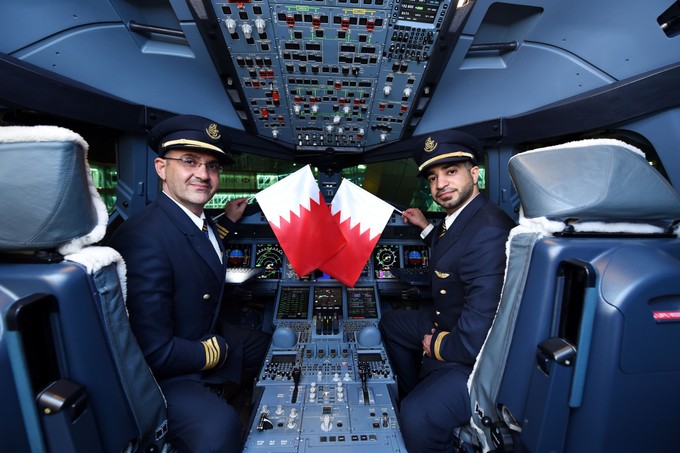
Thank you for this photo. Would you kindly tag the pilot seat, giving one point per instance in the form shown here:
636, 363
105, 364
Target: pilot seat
584, 352
73, 377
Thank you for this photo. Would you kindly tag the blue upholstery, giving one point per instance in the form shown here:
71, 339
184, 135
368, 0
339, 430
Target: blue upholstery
64, 322
580, 346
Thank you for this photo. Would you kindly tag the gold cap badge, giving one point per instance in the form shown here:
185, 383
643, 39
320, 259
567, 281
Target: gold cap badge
430, 145
213, 132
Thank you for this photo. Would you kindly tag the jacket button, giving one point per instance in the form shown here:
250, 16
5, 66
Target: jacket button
442, 291
206, 296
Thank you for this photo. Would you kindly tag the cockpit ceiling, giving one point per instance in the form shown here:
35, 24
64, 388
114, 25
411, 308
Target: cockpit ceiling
342, 74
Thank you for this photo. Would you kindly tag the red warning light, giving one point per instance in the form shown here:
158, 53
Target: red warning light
344, 23
290, 20
370, 24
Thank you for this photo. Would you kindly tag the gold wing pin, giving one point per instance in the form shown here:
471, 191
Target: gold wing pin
441, 274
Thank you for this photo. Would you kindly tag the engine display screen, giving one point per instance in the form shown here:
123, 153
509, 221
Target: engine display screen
293, 303
361, 303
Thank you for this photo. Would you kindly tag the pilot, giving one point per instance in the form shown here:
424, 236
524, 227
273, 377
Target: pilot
175, 281
433, 350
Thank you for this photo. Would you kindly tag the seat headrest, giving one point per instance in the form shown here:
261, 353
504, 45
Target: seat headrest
592, 180
48, 197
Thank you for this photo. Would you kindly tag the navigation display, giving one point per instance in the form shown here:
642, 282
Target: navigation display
423, 11
385, 257
270, 257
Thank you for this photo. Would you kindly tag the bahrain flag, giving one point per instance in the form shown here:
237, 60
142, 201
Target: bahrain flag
361, 217
301, 221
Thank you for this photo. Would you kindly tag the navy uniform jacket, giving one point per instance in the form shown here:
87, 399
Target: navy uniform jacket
467, 266
175, 281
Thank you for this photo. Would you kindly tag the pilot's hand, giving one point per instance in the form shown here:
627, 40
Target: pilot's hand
234, 208
427, 341
416, 217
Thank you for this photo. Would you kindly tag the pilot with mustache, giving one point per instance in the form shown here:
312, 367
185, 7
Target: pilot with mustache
432, 351
175, 278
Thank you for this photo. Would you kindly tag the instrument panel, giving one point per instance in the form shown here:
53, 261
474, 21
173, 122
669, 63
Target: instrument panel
326, 382
269, 256
334, 73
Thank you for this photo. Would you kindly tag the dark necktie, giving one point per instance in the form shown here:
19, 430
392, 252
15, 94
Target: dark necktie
205, 228
443, 231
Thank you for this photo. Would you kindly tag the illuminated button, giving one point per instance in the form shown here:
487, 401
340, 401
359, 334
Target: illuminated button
316, 22
275, 96
344, 23
370, 24
290, 20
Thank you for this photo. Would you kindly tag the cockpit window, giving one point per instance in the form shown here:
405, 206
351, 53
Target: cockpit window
393, 181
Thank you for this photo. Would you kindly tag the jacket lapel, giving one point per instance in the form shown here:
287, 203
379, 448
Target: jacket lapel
443, 244
195, 236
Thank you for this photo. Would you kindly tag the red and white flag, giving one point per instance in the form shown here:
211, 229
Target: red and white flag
301, 221
361, 217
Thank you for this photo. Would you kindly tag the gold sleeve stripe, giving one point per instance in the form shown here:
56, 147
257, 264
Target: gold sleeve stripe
223, 232
438, 344
212, 353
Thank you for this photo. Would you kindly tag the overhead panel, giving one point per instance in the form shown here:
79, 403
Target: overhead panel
341, 74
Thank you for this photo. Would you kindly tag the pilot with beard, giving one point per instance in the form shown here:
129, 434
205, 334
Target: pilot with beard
175, 280
433, 350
